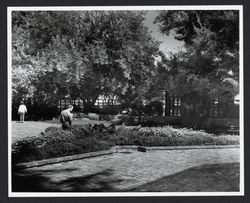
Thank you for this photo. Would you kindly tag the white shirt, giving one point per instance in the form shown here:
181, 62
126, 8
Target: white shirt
22, 109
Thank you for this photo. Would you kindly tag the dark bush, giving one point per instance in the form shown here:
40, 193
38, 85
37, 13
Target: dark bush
36, 111
106, 117
110, 110
91, 109
153, 108
55, 142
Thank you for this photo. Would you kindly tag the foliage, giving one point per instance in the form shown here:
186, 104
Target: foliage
222, 24
207, 68
81, 54
154, 107
168, 136
36, 110
55, 142
211, 59
110, 110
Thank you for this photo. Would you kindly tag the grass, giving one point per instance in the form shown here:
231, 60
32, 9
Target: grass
34, 128
29, 129
205, 178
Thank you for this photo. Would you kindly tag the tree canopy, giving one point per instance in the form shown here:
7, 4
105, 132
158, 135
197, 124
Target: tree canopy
81, 54
210, 62
208, 68
84, 54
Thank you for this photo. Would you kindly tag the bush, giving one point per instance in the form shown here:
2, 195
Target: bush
110, 110
36, 111
55, 142
153, 108
169, 136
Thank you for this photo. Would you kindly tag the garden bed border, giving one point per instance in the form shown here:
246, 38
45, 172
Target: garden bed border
114, 150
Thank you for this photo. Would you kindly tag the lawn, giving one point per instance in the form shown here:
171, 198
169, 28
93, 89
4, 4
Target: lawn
29, 128
206, 178
34, 128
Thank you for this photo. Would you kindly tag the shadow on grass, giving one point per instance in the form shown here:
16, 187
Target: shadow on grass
206, 178
33, 181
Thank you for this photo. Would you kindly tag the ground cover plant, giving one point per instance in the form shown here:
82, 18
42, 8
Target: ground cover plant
55, 142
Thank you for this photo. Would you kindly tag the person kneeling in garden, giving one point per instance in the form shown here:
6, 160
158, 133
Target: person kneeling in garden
66, 118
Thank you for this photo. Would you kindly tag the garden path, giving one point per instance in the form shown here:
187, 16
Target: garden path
126, 170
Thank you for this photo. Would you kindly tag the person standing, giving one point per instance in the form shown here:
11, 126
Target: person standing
66, 118
21, 111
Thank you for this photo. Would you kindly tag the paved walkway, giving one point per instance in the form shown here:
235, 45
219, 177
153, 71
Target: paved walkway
128, 169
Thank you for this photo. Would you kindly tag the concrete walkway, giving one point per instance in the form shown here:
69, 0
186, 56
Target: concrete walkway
122, 171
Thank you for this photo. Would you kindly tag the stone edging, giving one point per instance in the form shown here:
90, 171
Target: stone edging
113, 150
181, 147
65, 158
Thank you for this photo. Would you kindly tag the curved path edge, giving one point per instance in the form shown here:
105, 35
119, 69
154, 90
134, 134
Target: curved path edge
113, 150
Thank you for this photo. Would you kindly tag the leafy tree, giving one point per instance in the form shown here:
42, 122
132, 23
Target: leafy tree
208, 68
84, 54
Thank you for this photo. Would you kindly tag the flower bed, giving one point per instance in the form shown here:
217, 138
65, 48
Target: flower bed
169, 136
55, 142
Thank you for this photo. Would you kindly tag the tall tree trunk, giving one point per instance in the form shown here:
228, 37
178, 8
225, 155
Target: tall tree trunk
195, 111
89, 104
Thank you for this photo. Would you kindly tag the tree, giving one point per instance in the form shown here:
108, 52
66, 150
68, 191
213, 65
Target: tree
209, 66
84, 54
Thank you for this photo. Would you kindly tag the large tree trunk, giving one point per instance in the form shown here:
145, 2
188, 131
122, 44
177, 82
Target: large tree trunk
195, 111
89, 105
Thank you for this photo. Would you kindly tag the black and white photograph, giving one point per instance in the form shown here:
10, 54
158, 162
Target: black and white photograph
125, 101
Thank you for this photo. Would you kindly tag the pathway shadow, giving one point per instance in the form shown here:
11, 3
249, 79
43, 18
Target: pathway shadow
26, 181
98, 182
37, 181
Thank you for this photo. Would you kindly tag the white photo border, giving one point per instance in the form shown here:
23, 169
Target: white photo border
120, 8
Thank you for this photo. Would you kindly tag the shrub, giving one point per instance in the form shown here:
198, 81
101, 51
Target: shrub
168, 136
110, 110
154, 107
55, 142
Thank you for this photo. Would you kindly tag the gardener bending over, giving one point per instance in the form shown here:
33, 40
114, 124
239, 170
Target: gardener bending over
66, 118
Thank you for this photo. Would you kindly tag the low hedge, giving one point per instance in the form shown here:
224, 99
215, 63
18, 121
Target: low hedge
55, 142
169, 136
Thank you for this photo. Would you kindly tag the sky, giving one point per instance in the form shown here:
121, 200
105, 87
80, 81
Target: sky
168, 42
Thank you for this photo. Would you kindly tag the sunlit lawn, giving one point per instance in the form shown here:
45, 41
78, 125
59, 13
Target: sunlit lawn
34, 128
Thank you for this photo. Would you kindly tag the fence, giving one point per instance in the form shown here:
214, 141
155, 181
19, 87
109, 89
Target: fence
173, 106
64, 103
218, 109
